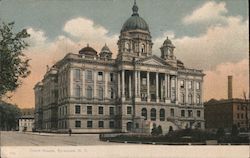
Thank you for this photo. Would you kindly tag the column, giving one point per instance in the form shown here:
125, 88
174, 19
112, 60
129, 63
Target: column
186, 90
119, 84
194, 96
176, 90
94, 73
71, 82
129, 86
166, 88
123, 84
106, 74
157, 86
139, 84
83, 84
169, 87
135, 82
148, 95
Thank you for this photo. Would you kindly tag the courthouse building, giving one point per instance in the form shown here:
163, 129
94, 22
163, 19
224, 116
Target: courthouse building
92, 92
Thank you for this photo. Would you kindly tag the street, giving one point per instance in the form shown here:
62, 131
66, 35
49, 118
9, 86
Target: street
46, 139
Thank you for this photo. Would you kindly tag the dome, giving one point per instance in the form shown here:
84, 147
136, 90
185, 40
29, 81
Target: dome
105, 48
168, 42
135, 22
88, 51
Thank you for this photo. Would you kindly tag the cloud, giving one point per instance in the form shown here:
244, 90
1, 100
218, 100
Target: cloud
218, 89
43, 52
210, 12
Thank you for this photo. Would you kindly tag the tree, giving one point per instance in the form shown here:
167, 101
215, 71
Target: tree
154, 130
159, 130
9, 115
235, 131
14, 65
220, 133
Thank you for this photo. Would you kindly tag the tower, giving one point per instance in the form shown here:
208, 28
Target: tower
135, 39
167, 52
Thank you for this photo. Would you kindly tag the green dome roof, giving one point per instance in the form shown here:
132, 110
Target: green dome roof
135, 22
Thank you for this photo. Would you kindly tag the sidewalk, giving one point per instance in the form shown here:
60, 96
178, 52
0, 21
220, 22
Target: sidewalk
46, 134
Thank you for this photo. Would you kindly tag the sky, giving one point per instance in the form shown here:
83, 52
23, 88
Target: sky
208, 35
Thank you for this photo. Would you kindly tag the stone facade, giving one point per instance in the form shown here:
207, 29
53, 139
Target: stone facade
87, 92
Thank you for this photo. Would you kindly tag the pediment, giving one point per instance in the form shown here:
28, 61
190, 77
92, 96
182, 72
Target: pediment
153, 60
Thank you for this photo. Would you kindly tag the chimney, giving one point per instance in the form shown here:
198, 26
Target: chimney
230, 87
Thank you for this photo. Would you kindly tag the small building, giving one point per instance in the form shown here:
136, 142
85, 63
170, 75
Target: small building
227, 112
26, 123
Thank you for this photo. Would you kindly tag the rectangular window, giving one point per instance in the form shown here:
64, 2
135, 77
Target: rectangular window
172, 112
129, 110
77, 109
181, 84
89, 75
89, 124
100, 76
89, 110
78, 124
238, 116
100, 124
111, 77
100, 110
111, 124
198, 113
77, 74
111, 111
198, 85
190, 113
190, 84
182, 113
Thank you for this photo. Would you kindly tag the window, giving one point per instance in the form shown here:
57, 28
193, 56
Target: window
181, 84
242, 116
162, 114
190, 98
89, 110
182, 113
89, 124
172, 112
144, 113
238, 116
143, 48
111, 76
198, 99
111, 93
89, 75
78, 124
77, 91
198, 113
111, 111
153, 114
77, 109
100, 124
111, 124
182, 98
190, 113
89, 92
77, 74
100, 110
100, 93
190, 84
172, 82
100, 76
144, 81
198, 85
129, 110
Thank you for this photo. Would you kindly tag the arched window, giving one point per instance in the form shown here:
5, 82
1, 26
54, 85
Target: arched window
100, 93
78, 91
89, 92
190, 99
144, 113
162, 114
198, 99
143, 48
153, 114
